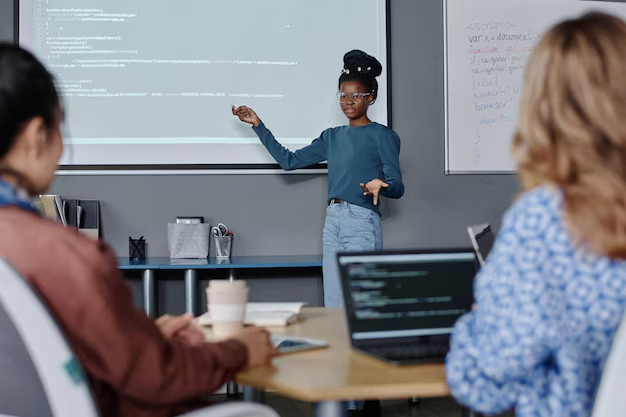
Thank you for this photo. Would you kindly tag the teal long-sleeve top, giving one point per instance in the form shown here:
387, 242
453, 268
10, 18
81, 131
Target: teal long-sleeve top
355, 155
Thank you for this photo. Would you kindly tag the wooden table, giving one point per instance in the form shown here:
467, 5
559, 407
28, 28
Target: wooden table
328, 377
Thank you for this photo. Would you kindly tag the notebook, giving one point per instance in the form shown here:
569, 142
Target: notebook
265, 314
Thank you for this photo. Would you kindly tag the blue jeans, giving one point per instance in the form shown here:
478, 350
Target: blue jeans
348, 228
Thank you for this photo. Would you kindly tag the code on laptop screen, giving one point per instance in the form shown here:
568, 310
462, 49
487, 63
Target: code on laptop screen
420, 293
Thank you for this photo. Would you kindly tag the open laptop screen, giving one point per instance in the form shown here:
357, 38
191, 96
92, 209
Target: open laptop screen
482, 238
404, 295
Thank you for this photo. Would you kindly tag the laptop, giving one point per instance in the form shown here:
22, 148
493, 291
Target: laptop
482, 238
401, 306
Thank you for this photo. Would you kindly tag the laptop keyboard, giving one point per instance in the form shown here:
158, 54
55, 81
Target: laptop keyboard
413, 351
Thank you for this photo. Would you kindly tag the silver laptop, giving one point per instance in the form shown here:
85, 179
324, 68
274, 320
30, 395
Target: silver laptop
482, 238
401, 306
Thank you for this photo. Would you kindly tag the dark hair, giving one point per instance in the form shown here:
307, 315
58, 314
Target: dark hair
26, 91
361, 67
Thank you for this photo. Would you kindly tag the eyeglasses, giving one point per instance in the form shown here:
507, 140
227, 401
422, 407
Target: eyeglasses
354, 97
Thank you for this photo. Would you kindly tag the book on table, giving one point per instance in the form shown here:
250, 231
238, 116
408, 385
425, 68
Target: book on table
265, 314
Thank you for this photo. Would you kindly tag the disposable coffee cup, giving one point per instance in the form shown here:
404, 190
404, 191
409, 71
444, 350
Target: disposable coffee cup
227, 302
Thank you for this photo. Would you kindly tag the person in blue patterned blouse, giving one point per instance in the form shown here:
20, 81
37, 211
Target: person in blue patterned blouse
553, 289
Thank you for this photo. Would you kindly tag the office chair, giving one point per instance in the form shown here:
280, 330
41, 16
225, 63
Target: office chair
610, 399
61, 391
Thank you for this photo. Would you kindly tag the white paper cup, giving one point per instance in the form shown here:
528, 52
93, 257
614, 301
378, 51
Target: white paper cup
227, 302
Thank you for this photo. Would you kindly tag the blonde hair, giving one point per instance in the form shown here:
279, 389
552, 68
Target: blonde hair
572, 127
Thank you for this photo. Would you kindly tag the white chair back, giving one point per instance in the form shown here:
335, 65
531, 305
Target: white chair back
61, 376
611, 399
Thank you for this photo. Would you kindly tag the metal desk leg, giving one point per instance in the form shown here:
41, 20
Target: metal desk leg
231, 275
466, 412
253, 395
413, 401
232, 389
191, 284
330, 409
149, 299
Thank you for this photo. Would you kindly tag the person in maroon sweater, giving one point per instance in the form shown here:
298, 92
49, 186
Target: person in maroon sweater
136, 367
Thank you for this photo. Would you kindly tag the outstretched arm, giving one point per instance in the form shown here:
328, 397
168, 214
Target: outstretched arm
307, 156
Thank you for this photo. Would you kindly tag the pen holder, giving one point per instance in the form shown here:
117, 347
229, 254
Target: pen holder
136, 249
190, 241
223, 246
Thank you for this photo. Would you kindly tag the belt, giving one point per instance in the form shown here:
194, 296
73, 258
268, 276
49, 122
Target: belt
337, 201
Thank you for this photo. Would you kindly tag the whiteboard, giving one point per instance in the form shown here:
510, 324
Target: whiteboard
487, 44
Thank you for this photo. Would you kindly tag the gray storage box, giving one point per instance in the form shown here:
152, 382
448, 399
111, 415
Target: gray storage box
189, 241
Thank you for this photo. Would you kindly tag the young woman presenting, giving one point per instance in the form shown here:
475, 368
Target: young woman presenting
362, 166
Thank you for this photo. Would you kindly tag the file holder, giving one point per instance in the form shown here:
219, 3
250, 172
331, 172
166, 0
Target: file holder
52, 208
83, 215
223, 246
70, 208
189, 241
90, 222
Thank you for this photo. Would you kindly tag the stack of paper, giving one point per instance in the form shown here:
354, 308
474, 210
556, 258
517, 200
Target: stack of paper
265, 314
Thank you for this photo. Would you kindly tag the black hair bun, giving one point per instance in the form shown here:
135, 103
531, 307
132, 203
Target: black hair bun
360, 62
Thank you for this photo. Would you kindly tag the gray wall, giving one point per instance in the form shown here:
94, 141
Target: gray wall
6, 20
283, 214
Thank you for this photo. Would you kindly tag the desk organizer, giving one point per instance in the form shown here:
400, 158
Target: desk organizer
223, 246
189, 241
136, 249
